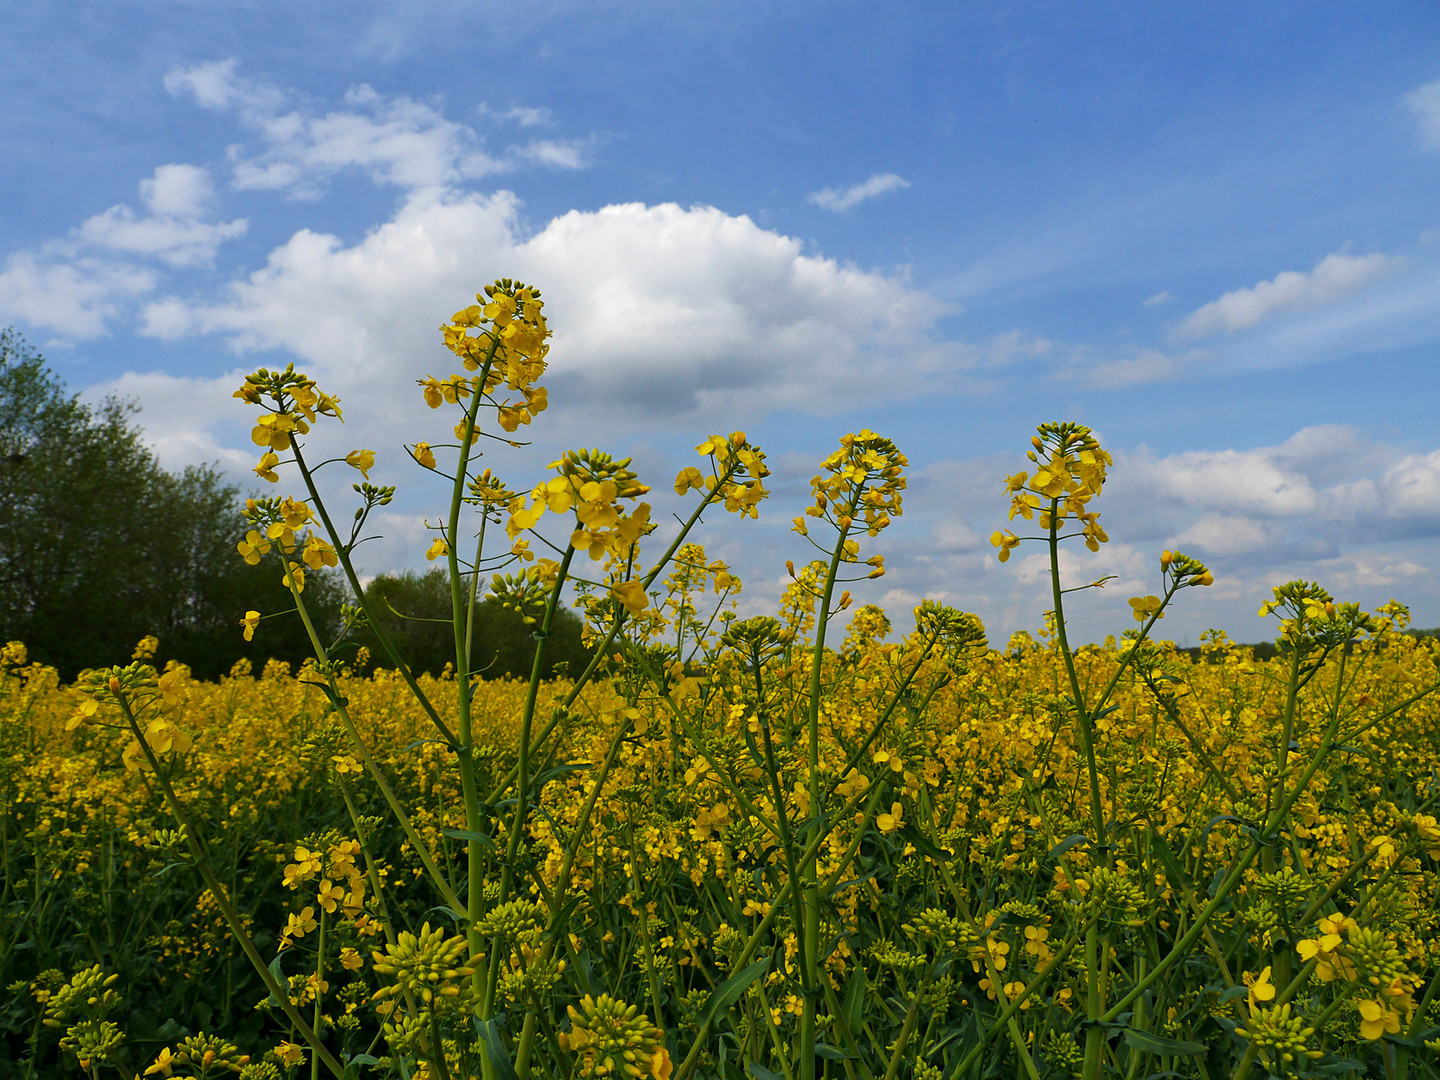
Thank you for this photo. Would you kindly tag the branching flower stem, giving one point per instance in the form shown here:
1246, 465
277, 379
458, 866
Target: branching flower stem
461, 624
603, 648
351, 575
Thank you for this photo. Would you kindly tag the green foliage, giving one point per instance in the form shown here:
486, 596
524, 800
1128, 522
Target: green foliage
415, 610
100, 546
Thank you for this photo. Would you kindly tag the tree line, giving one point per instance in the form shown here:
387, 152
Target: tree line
100, 546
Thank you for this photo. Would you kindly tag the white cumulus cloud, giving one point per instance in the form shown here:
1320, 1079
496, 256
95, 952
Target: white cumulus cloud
667, 319
182, 191
661, 312
843, 199
1334, 277
1226, 535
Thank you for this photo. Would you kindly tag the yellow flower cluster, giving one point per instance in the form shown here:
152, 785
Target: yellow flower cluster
1070, 471
737, 473
862, 488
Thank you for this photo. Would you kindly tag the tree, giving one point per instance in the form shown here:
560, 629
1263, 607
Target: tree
100, 546
415, 611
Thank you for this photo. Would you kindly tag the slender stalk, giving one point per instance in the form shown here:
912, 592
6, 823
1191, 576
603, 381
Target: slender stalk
522, 786
810, 949
342, 710
342, 553
459, 617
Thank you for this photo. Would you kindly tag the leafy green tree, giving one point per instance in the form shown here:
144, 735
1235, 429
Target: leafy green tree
417, 616
100, 546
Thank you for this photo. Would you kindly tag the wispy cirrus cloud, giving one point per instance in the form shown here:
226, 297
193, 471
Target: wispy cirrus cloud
397, 141
1423, 104
78, 285
839, 199
1334, 277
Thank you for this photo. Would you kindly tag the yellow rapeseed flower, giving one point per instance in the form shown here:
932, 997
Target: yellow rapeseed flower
364, 460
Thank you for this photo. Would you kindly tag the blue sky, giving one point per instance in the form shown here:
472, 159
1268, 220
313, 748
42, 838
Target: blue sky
1210, 232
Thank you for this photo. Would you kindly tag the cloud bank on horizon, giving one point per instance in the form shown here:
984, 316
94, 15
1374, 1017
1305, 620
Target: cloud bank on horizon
680, 315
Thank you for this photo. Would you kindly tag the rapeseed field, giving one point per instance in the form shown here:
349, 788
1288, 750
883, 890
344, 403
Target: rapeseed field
822, 842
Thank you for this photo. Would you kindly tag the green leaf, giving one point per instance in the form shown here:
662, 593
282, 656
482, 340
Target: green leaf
841, 886
925, 846
1159, 1044
831, 1053
855, 997
559, 770
728, 992
352, 1067
278, 972
484, 841
1065, 845
1218, 819
1414, 1042
1173, 869
760, 1072
495, 1048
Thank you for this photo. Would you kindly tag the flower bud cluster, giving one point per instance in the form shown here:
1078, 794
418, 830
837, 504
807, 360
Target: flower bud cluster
1279, 1032
1114, 896
208, 1054
489, 492
952, 630
1311, 617
292, 402
943, 930
756, 639
615, 1039
425, 964
88, 994
513, 919
92, 1042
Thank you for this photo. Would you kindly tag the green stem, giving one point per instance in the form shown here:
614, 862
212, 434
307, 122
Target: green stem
342, 710
459, 617
810, 950
522, 786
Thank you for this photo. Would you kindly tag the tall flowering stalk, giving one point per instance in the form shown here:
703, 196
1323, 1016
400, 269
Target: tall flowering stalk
501, 342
